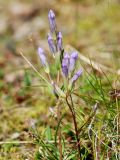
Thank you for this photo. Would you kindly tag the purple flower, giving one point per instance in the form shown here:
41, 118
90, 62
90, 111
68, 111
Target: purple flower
42, 56
68, 62
51, 17
65, 64
76, 76
74, 55
51, 44
73, 58
59, 41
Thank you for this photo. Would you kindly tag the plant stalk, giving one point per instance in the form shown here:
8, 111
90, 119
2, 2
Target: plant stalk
75, 125
59, 132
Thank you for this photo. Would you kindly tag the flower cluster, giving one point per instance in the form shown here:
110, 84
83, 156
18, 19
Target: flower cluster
67, 60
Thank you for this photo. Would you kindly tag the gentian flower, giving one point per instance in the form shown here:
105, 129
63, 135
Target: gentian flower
51, 17
73, 59
42, 56
59, 41
43, 59
51, 44
65, 64
74, 55
76, 76
68, 62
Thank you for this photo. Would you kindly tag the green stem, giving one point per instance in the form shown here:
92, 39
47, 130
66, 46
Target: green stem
59, 132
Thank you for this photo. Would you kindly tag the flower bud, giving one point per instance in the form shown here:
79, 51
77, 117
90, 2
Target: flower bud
51, 44
65, 64
59, 41
73, 59
74, 55
43, 59
51, 17
76, 76
42, 56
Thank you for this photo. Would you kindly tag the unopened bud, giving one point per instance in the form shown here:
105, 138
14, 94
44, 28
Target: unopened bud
65, 64
76, 76
51, 17
43, 59
51, 44
59, 41
73, 59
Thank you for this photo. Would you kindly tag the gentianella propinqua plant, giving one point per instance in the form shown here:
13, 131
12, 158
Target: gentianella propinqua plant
64, 83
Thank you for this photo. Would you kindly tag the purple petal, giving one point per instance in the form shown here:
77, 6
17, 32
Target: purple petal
65, 70
73, 59
65, 64
76, 76
51, 17
74, 55
42, 56
51, 44
59, 41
